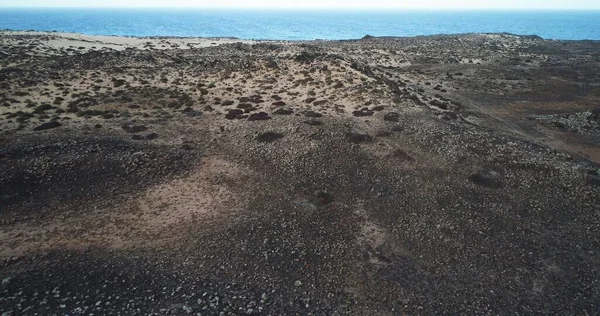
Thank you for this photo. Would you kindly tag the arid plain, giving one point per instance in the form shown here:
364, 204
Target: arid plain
454, 174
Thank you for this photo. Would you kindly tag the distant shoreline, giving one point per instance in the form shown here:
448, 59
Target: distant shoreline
301, 25
92, 37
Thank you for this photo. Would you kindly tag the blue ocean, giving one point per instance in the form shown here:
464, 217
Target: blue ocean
302, 24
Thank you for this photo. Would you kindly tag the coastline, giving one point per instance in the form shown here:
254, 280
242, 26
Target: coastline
276, 25
65, 40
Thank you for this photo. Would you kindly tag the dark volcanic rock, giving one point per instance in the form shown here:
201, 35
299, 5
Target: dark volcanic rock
245, 106
191, 112
47, 125
322, 198
283, 112
150, 136
313, 122
363, 112
279, 103
451, 115
134, 128
260, 116
312, 114
234, 114
593, 180
487, 178
358, 138
268, 137
402, 155
391, 117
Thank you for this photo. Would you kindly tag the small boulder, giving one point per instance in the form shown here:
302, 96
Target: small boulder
363, 112
401, 155
312, 114
321, 198
313, 122
260, 116
488, 178
132, 129
358, 138
47, 125
150, 136
391, 117
268, 137
245, 106
593, 180
234, 114
283, 112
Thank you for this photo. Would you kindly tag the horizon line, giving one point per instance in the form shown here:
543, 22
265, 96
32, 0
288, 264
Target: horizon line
303, 8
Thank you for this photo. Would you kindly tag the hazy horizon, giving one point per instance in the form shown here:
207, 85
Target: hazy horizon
312, 4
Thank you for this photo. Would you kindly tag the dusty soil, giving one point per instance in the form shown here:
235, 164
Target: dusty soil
380, 176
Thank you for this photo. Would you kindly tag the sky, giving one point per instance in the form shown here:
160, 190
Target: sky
349, 4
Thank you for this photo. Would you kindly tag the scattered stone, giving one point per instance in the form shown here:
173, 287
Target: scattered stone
451, 115
234, 114
191, 112
358, 138
131, 129
260, 116
245, 106
559, 125
593, 180
312, 114
363, 112
279, 103
322, 198
392, 117
268, 137
150, 136
272, 63
47, 125
118, 82
487, 178
6, 282
313, 122
283, 112
402, 155
297, 283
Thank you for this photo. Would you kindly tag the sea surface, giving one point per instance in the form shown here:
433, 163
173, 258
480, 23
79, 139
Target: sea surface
302, 24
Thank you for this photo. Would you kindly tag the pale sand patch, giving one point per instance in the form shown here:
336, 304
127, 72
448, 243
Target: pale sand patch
66, 40
147, 220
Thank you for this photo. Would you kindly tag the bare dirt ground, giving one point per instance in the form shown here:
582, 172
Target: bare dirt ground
380, 176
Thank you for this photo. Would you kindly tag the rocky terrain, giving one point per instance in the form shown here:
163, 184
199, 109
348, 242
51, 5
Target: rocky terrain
380, 176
